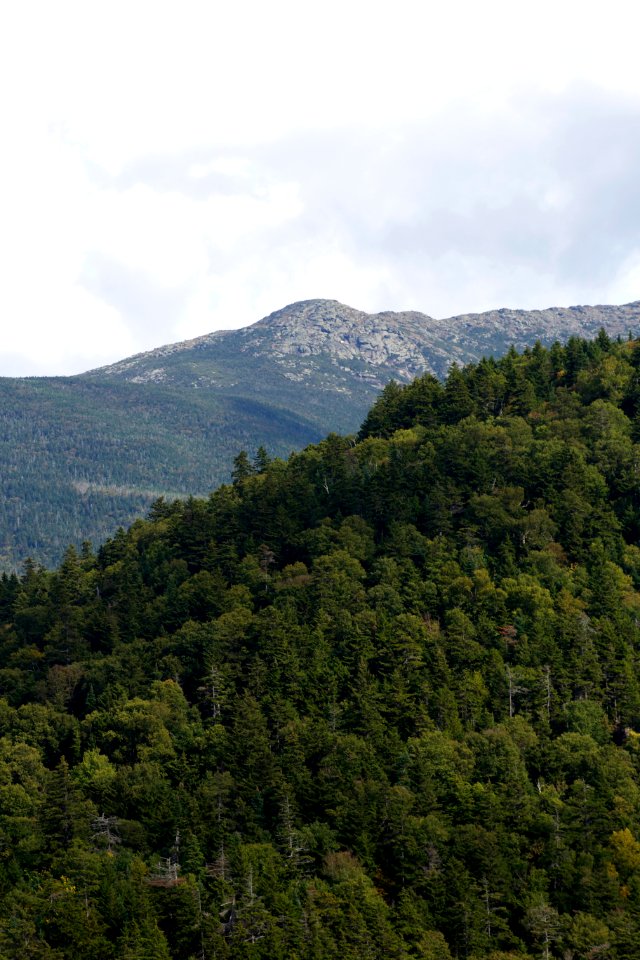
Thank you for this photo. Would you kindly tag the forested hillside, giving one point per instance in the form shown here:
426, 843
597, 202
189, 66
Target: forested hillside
84, 455
381, 700
81, 457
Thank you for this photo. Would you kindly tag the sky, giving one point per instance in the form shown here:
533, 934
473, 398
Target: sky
172, 168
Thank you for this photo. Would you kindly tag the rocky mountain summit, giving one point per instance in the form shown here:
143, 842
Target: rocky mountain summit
414, 342
313, 327
374, 347
82, 455
301, 337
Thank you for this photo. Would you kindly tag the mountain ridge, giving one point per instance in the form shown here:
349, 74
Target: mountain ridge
82, 455
312, 327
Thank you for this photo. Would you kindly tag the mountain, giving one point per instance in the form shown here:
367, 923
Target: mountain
381, 700
82, 455
332, 348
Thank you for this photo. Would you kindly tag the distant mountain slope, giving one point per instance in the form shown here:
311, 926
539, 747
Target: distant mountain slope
82, 455
300, 338
319, 356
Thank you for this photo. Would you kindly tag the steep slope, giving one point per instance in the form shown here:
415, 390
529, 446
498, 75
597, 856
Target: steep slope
82, 455
379, 701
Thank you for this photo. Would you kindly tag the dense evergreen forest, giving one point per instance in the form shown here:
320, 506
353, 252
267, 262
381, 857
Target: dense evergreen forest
381, 700
81, 457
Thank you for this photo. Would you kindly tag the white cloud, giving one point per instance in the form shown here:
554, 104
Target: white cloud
169, 168
625, 285
154, 233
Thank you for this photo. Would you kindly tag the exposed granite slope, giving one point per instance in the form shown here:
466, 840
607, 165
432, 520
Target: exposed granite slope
371, 347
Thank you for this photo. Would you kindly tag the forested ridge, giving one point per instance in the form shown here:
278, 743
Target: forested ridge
380, 700
81, 457
84, 455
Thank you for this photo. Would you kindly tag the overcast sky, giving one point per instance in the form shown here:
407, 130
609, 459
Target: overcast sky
172, 168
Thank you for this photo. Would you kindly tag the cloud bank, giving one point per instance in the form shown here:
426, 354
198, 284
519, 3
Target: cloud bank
172, 173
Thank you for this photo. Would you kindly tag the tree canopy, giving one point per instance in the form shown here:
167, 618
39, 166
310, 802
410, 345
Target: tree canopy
378, 700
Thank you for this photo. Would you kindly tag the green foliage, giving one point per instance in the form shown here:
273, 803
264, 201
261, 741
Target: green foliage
379, 700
